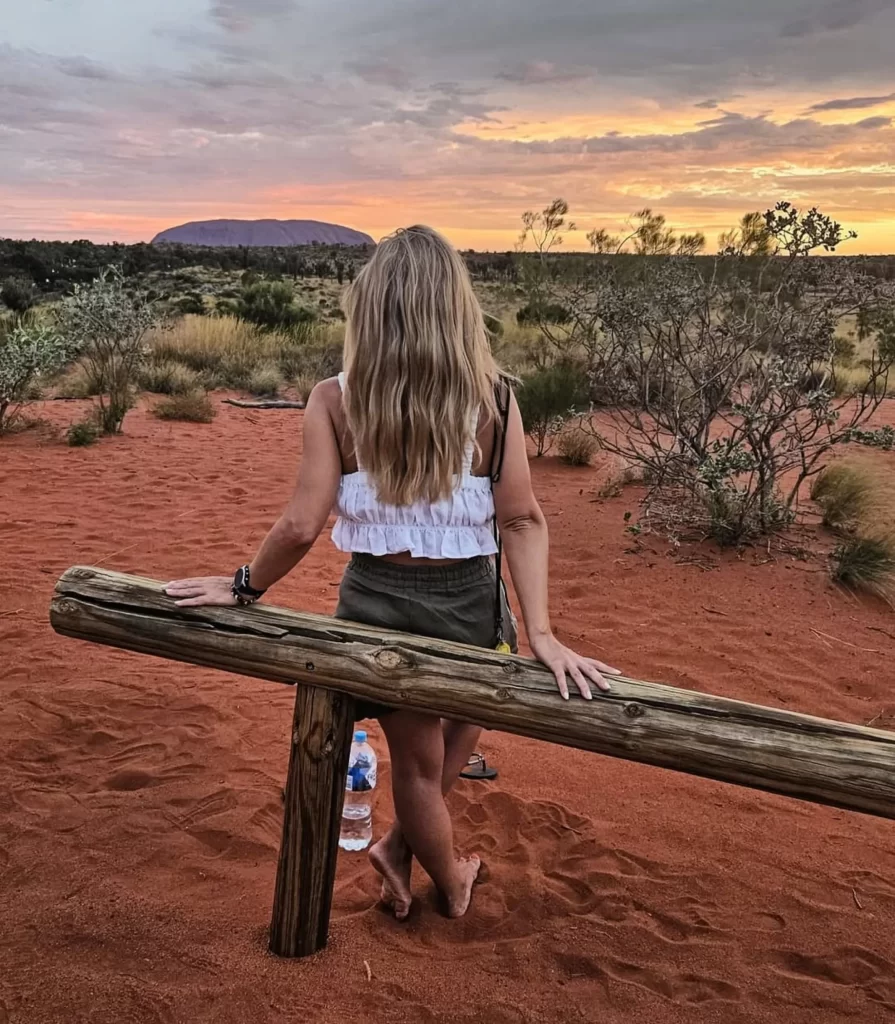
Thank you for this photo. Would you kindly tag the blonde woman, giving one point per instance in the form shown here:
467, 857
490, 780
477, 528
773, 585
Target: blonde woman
403, 446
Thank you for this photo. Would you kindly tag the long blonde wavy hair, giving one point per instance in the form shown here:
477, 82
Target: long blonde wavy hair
418, 366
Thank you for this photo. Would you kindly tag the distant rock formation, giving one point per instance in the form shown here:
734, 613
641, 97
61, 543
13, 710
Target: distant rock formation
260, 233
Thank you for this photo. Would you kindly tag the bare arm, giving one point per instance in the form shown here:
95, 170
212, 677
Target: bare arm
524, 532
294, 533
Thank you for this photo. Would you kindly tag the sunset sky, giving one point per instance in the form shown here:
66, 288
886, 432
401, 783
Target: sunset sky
122, 117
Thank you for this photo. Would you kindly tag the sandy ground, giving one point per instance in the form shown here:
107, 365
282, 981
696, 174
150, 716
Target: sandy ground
140, 799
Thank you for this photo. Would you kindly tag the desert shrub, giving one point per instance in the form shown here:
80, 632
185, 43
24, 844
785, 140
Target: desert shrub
27, 356
845, 494
547, 398
292, 355
167, 377
304, 384
265, 379
18, 295
271, 305
866, 563
79, 435
194, 407
720, 376
577, 447
108, 324
192, 303
75, 383
546, 312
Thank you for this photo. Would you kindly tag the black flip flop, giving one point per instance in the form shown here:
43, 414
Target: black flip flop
477, 768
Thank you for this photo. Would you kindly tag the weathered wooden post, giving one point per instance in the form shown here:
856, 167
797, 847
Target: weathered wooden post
766, 748
315, 788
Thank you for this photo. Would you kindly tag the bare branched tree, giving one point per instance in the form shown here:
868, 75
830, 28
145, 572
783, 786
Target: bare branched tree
544, 229
721, 377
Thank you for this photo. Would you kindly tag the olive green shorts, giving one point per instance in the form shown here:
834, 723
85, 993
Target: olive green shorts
446, 602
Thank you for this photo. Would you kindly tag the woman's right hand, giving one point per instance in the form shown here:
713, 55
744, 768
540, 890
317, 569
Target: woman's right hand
564, 662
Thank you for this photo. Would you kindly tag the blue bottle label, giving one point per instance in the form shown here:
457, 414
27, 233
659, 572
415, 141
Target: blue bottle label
361, 777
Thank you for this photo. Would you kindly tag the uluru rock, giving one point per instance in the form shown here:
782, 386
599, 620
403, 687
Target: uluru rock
260, 233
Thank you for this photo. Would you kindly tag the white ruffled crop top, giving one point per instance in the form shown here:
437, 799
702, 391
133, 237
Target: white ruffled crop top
460, 526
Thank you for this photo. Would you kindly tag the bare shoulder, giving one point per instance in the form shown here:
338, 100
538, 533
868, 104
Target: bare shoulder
327, 393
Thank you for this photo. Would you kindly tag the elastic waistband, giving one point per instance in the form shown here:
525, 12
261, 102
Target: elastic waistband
470, 570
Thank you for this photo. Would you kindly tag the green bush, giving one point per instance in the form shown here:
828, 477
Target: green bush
191, 304
108, 322
27, 355
543, 313
547, 398
79, 435
18, 295
271, 305
194, 407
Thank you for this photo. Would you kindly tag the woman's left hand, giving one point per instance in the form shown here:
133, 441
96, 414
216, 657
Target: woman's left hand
564, 662
202, 590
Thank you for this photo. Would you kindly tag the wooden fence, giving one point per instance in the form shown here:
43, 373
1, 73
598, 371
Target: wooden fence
336, 662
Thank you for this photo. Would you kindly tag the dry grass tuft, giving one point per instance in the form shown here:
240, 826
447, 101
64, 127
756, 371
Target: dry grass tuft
193, 407
577, 448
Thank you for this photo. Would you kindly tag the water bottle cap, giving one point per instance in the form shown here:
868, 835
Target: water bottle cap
360, 736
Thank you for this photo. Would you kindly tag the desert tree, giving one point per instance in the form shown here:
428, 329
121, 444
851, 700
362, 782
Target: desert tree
720, 377
601, 242
107, 323
750, 237
544, 229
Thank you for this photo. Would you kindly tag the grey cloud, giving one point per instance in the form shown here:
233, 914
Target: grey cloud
851, 103
835, 16
542, 72
83, 67
873, 123
724, 133
708, 104
380, 72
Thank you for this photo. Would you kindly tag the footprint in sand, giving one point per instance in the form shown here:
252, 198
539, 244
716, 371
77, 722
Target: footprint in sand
544, 865
850, 966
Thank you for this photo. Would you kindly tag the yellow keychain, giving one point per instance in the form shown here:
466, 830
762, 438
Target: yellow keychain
503, 648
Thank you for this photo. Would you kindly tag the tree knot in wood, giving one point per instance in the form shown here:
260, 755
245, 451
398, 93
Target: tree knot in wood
66, 607
390, 659
634, 710
81, 573
502, 694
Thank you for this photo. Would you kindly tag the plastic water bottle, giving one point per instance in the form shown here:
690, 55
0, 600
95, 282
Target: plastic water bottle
357, 811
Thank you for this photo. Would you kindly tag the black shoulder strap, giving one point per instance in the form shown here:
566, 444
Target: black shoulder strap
502, 394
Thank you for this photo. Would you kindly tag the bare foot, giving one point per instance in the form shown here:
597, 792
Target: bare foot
468, 869
393, 861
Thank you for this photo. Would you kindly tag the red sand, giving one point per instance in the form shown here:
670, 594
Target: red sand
140, 799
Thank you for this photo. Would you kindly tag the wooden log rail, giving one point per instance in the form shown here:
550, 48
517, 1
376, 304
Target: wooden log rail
765, 748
